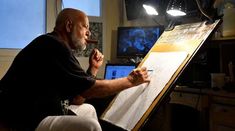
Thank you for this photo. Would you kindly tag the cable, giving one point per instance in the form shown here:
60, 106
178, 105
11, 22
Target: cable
203, 12
155, 21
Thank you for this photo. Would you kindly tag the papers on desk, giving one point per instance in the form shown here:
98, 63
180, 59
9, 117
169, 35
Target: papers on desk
131, 104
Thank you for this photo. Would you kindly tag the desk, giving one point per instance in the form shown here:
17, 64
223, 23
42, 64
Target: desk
217, 107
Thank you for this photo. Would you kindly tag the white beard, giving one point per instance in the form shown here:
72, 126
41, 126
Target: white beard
78, 45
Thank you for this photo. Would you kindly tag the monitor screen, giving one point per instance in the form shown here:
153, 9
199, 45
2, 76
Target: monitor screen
136, 41
113, 71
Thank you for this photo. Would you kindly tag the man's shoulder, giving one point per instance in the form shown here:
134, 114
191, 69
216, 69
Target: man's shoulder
47, 37
45, 40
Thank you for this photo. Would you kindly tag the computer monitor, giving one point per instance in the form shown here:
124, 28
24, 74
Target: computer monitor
136, 41
113, 71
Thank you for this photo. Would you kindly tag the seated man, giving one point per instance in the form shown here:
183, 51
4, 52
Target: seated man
45, 74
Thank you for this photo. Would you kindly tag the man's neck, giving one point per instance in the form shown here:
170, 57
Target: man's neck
61, 37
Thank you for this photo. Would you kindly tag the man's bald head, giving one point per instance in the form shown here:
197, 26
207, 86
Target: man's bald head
69, 14
72, 27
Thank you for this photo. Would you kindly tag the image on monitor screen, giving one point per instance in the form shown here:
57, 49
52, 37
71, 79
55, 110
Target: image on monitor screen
136, 41
113, 71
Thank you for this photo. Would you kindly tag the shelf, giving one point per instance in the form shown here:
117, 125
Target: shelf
207, 91
224, 38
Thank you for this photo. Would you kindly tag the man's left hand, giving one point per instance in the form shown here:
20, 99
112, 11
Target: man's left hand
96, 59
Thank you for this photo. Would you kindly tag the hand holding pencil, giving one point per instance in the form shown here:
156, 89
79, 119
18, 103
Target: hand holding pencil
139, 76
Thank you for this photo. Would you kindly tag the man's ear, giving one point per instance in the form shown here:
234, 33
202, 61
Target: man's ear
69, 25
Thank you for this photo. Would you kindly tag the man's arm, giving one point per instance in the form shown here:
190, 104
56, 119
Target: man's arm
103, 88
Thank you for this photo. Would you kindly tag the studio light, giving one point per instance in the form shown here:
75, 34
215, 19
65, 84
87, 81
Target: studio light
176, 8
150, 9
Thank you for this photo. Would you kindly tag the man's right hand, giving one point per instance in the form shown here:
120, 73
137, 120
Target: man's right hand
138, 76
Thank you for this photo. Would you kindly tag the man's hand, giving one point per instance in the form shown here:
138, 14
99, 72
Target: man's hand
138, 76
96, 58
95, 61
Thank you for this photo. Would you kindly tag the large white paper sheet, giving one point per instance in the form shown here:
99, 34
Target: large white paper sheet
130, 105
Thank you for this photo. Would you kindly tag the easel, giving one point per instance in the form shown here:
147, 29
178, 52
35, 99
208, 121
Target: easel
186, 38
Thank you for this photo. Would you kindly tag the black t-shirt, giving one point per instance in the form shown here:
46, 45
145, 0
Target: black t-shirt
41, 75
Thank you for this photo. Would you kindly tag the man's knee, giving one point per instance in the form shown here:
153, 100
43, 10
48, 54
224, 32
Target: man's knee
69, 123
89, 107
84, 110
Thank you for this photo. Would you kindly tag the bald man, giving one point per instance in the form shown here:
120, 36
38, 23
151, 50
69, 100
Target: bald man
45, 83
